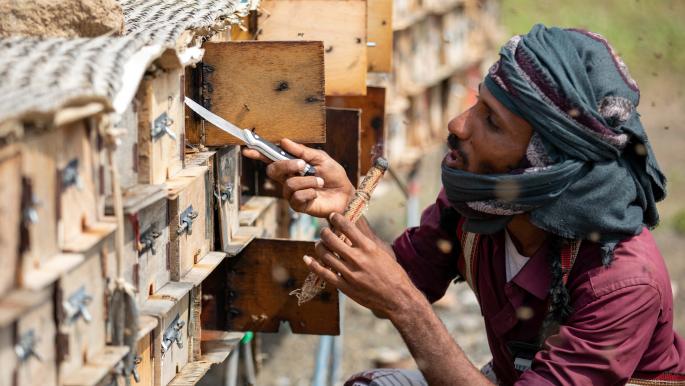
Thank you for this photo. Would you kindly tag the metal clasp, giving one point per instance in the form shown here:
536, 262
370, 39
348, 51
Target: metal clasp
147, 242
162, 125
173, 334
26, 348
75, 306
226, 192
186, 223
70, 175
136, 361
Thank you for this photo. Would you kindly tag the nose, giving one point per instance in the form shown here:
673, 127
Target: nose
459, 125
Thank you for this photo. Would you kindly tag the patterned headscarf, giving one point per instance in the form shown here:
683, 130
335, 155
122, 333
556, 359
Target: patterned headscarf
589, 171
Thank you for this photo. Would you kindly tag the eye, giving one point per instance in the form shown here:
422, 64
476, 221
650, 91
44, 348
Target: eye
490, 121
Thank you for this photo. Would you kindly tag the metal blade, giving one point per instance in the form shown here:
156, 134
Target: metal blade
216, 120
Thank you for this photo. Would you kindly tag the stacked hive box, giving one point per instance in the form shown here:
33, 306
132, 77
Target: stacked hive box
440, 47
112, 187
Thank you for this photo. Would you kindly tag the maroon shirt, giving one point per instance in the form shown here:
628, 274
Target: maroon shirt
623, 314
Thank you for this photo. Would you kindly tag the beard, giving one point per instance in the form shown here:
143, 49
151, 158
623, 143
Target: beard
456, 158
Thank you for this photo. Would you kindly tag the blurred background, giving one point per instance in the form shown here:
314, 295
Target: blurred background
441, 50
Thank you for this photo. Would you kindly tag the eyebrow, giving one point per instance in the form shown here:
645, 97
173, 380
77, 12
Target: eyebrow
492, 110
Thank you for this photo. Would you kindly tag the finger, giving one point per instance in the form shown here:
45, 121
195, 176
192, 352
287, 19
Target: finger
254, 154
331, 260
281, 170
334, 244
323, 272
313, 156
300, 183
302, 199
346, 227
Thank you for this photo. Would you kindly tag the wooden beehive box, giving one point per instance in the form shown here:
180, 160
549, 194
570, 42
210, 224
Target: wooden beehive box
61, 193
126, 154
144, 373
380, 35
146, 235
188, 232
81, 316
10, 197
340, 24
207, 159
229, 188
170, 348
161, 125
275, 89
27, 339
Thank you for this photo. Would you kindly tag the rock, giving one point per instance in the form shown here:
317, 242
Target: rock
64, 18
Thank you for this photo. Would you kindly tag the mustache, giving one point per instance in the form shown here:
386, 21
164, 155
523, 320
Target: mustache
455, 144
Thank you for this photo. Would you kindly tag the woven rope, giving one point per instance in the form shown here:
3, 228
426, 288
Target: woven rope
40, 76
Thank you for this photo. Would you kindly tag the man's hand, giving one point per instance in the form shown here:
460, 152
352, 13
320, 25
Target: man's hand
329, 191
364, 271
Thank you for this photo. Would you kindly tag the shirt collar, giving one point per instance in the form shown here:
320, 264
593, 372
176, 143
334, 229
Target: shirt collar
535, 276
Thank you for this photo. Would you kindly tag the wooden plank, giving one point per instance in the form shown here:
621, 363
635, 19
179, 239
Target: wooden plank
254, 208
216, 348
380, 35
126, 154
340, 24
85, 339
170, 301
343, 139
40, 323
145, 369
79, 197
273, 88
10, 197
186, 190
20, 302
209, 160
199, 272
146, 237
160, 157
373, 123
100, 367
39, 168
7, 356
259, 282
228, 185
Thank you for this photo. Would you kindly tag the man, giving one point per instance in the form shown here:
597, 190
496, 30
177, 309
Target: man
549, 188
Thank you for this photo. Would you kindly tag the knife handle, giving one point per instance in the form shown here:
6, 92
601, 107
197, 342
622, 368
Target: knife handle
273, 152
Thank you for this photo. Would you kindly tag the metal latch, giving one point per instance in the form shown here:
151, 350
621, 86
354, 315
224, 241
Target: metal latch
70, 175
186, 223
147, 242
75, 306
173, 334
162, 125
136, 361
26, 348
226, 192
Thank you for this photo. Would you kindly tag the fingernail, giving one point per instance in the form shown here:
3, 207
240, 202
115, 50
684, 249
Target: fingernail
300, 164
307, 259
319, 182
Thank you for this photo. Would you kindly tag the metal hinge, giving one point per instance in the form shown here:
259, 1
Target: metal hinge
147, 242
173, 334
70, 176
186, 222
75, 306
162, 125
134, 371
26, 348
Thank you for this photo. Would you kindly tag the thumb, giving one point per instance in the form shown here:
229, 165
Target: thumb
312, 156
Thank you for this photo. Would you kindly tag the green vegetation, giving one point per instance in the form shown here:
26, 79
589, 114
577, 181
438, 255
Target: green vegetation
648, 34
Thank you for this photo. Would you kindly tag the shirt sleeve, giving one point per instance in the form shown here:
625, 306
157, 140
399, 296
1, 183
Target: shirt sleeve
603, 341
429, 252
